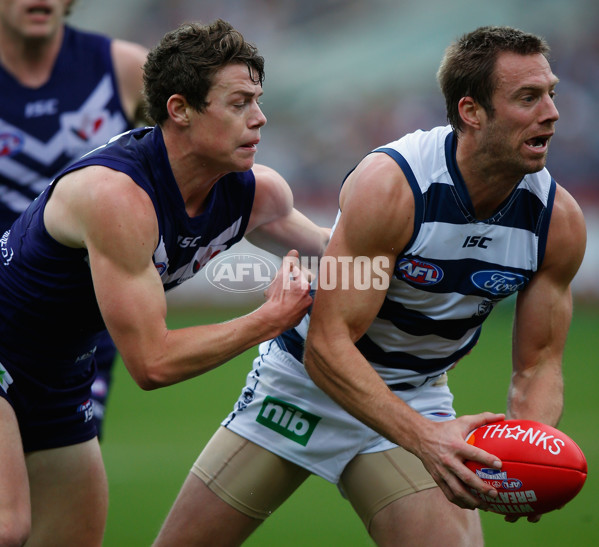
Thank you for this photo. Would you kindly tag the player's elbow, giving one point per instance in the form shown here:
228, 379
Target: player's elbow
314, 358
148, 375
148, 383
15, 527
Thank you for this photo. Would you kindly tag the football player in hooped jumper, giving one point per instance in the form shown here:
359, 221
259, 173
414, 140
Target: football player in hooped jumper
465, 216
99, 247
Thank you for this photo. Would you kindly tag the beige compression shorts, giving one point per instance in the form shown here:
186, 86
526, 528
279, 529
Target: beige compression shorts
256, 481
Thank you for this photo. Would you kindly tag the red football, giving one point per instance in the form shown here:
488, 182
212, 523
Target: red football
542, 467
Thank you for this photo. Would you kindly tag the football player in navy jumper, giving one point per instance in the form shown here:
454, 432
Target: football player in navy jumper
97, 250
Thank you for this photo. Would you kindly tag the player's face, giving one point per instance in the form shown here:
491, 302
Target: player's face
523, 122
227, 132
32, 19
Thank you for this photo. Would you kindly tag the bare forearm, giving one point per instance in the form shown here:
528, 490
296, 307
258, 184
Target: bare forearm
362, 392
296, 232
191, 351
537, 394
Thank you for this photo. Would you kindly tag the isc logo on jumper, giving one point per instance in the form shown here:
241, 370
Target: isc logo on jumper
418, 271
499, 283
288, 420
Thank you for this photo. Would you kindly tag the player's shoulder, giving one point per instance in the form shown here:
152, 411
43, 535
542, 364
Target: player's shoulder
272, 197
271, 181
131, 53
377, 179
567, 214
566, 240
377, 203
419, 140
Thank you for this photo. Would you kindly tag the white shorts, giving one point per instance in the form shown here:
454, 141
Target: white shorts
282, 410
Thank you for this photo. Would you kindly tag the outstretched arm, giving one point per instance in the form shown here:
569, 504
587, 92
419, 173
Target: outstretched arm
275, 225
114, 219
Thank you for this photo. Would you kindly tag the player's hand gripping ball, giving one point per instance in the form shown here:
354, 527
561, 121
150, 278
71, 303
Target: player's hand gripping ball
542, 470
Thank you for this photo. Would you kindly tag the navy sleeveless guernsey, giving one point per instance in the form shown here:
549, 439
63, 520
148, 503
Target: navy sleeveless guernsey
42, 130
48, 286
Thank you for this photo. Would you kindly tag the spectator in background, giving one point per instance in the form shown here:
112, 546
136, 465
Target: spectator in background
63, 92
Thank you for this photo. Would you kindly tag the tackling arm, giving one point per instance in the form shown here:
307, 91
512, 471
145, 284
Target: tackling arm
107, 213
275, 225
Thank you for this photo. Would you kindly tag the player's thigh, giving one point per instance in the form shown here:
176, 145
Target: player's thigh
250, 478
14, 485
426, 518
233, 486
400, 503
69, 495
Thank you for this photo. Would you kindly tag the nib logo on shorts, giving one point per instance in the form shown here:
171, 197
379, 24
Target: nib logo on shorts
288, 420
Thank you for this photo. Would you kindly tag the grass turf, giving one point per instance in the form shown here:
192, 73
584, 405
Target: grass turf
152, 438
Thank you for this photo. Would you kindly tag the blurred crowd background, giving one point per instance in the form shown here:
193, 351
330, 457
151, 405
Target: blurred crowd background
346, 76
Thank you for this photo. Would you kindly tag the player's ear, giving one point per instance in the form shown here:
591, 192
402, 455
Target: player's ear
471, 112
178, 109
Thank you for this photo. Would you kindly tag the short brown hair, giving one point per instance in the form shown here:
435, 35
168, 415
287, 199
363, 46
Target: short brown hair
186, 60
467, 68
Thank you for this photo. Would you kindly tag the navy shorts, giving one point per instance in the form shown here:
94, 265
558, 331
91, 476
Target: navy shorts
53, 409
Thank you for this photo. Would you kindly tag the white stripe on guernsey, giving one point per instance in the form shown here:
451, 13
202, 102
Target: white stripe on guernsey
26, 177
389, 338
434, 305
100, 97
46, 153
14, 200
445, 242
302, 328
202, 255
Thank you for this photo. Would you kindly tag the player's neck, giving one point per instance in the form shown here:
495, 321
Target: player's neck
30, 60
195, 178
487, 180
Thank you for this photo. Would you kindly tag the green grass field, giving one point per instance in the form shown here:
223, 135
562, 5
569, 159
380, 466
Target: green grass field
152, 438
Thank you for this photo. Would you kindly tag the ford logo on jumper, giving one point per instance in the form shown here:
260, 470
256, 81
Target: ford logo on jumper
499, 283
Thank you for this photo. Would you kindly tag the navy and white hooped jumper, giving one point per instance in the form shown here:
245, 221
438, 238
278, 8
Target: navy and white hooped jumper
455, 268
44, 129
